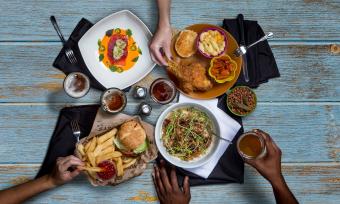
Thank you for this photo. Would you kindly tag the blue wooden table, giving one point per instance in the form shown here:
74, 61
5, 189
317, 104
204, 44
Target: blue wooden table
301, 110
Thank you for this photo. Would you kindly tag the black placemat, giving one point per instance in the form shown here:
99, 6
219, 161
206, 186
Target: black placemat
63, 64
63, 142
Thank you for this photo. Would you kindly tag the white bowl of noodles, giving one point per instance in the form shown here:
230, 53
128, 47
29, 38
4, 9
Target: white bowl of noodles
184, 134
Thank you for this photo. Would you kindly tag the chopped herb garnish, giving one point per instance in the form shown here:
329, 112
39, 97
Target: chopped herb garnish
101, 57
119, 70
135, 59
99, 42
139, 51
117, 30
128, 32
109, 33
113, 68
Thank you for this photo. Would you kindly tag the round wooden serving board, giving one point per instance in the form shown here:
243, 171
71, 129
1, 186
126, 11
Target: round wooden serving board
218, 89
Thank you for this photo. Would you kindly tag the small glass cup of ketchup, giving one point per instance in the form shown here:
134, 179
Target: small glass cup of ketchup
163, 91
113, 100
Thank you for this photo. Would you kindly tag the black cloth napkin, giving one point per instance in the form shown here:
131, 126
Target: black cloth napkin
63, 64
260, 59
63, 142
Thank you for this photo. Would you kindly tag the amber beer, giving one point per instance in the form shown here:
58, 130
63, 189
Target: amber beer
250, 145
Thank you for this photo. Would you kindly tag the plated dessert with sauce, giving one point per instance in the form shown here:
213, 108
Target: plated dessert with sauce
203, 64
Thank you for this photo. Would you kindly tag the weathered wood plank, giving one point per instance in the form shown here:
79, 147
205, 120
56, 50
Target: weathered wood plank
311, 183
294, 20
305, 132
309, 73
27, 75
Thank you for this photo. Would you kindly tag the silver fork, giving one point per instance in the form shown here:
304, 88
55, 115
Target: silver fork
75, 129
68, 52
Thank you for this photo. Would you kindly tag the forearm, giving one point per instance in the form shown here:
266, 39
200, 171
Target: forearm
282, 193
20, 193
163, 13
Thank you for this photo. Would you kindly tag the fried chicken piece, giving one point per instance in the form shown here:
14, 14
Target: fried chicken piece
192, 76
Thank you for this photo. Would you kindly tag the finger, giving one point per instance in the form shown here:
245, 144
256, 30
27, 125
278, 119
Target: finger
186, 186
159, 57
164, 177
167, 51
251, 162
267, 140
71, 162
158, 180
155, 184
174, 181
153, 58
75, 173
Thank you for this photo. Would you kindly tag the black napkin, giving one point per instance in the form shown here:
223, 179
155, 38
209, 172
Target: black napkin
63, 64
63, 142
260, 59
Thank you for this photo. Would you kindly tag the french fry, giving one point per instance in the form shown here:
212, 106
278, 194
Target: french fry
107, 143
97, 150
127, 160
108, 150
115, 159
107, 136
92, 174
92, 159
127, 165
93, 169
80, 148
92, 145
87, 146
120, 169
108, 156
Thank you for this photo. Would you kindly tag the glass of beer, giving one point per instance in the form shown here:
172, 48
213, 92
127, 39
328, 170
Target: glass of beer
76, 84
250, 145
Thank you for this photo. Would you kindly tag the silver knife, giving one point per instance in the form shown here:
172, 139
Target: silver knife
243, 43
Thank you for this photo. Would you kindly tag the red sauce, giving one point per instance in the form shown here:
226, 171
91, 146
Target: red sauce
109, 170
162, 91
115, 101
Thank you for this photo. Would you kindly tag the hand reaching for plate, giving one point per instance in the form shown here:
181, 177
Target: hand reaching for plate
168, 190
161, 45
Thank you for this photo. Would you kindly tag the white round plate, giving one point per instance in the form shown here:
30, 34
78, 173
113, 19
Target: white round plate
174, 160
89, 50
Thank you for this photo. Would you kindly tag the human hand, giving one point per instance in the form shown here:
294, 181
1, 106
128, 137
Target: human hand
167, 190
60, 174
268, 166
161, 43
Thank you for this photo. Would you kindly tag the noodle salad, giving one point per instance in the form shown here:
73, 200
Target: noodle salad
187, 133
